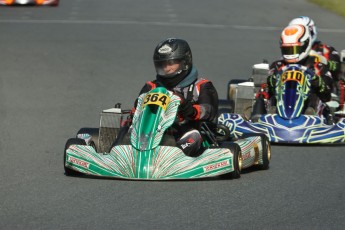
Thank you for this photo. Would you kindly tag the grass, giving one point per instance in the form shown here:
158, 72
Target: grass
336, 6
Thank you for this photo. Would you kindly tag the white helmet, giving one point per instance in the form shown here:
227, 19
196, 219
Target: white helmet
295, 43
308, 22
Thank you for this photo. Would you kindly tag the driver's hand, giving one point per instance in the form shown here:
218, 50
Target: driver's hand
186, 109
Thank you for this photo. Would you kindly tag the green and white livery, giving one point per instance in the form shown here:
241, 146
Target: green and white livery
146, 150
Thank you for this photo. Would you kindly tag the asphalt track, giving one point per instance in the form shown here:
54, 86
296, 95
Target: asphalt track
61, 66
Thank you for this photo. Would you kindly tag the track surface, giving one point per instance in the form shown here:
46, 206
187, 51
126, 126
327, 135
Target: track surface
61, 66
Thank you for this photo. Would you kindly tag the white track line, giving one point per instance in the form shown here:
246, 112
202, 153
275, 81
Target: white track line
117, 22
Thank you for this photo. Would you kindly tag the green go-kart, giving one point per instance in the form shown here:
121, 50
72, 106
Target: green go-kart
145, 149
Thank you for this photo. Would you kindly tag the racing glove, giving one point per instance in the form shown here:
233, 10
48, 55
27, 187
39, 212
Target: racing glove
320, 87
271, 82
186, 109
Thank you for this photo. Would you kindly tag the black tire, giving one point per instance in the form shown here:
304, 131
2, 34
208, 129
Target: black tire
225, 106
94, 132
222, 133
71, 141
259, 108
266, 149
237, 159
266, 153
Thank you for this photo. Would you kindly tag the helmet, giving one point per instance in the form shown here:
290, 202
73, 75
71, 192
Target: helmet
308, 22
295, 43
172, 51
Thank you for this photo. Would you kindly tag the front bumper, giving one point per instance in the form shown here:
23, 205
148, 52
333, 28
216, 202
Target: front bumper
162, 163
302, 130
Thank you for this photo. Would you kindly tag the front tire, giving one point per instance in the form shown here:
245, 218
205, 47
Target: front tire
94, 133
71, 141
237, 159
266, 153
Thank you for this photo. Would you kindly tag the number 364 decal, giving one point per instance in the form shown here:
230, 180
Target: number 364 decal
159, 99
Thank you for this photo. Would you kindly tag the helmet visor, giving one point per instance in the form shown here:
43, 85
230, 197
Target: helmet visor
169, 68
292, 50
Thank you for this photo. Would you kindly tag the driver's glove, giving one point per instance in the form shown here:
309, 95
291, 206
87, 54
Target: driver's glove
186, 109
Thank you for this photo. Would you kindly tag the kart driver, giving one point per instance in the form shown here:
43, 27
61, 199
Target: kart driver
295, 45
199, 99
328, 52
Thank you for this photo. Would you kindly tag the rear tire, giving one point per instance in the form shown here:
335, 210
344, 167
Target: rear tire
266, 149
259, 108
71, 141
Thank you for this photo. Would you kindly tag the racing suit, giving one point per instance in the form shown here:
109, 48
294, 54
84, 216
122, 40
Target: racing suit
202, 98
321, 83
332, 57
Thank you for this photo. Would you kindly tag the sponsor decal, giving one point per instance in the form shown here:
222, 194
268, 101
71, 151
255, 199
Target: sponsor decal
185, 145
215, 166
245, 156
188, 143
165, 49
76, 161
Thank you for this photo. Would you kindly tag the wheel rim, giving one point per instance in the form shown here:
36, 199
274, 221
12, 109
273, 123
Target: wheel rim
268, 151
239, 159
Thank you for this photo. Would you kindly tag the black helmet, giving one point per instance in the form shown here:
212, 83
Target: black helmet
174, 51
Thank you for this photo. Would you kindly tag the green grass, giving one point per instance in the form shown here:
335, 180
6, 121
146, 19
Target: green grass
336, 6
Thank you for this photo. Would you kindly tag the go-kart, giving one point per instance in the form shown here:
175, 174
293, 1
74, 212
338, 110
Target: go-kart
29, 2
288, 121
141, 146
